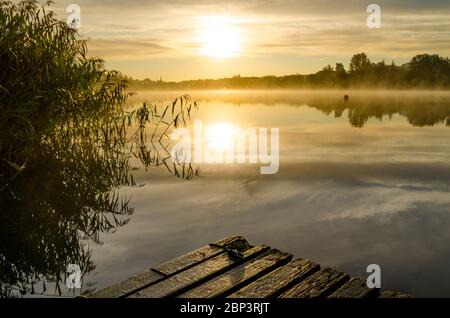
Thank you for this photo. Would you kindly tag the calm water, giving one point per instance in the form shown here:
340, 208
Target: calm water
362, 182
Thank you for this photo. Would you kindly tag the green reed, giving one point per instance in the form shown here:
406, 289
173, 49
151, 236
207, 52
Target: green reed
66, 144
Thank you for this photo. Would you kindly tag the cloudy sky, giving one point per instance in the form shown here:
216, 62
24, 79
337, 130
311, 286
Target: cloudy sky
186, 39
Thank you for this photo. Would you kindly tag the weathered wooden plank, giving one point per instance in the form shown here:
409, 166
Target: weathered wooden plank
133, 283
355, 288
239, 276
171, 267
320, 284
179, 283
393, 294
278, 281
191, 259
233, 268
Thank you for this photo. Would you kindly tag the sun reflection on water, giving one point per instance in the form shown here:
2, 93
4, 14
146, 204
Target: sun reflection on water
221, 136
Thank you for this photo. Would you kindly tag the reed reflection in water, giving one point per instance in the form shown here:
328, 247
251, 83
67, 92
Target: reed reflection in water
360, 182
345, 195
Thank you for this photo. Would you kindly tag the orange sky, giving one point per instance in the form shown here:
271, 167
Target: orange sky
185, 39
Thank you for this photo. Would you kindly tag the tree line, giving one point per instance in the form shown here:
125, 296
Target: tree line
423, 71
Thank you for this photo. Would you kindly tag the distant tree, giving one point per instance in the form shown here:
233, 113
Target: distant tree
422, 71
341, 74
360, 63
360, 70
340, 69
429, 70
379, 73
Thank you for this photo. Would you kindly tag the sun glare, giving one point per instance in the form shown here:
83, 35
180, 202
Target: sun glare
221, 136
220, 37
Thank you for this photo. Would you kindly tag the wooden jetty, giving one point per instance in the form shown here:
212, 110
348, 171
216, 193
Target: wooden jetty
233, 268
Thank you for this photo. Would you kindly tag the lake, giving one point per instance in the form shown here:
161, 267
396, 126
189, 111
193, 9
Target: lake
363, 182
360, 182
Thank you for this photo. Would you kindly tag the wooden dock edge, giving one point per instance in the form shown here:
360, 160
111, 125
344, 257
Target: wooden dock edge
233, 268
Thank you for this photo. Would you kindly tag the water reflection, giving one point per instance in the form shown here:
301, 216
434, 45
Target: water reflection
221, 136
419, 108
49, 213
68, 194
344, 196
420, 113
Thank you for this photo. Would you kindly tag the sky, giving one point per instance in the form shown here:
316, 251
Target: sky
185, 39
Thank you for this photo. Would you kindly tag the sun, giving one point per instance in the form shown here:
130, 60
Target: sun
220, 37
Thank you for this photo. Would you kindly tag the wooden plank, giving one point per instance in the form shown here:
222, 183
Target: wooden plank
233, 268
196, 275
239, 276
133, 283
278, 281
393, 294
171, 267
355, 288
320, 284
191, 259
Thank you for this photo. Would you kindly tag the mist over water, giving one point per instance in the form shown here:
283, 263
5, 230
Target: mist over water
92, 188
359, 183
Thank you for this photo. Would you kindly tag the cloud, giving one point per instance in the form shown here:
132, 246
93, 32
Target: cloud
123, 48
291, 7
270, 29
303, 211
